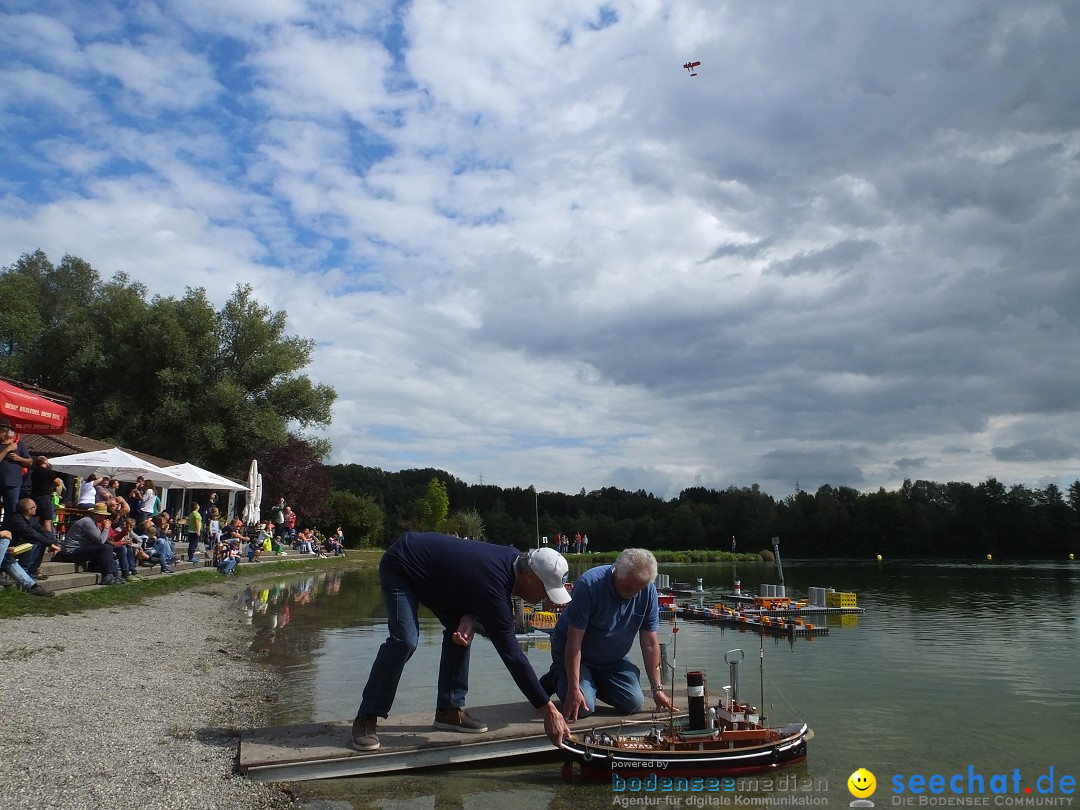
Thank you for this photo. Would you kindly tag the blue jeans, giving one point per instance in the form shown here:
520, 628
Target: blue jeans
31, 560
125, 559
163, 550
10, 567
11, 501
228, 565
404, 632
618, 685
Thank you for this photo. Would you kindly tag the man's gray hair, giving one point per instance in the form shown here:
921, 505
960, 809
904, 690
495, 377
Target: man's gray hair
636, 563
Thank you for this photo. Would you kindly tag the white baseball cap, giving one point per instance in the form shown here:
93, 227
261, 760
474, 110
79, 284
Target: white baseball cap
550, 566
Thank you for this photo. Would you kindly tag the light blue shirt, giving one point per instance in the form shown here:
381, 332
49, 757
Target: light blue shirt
610, 622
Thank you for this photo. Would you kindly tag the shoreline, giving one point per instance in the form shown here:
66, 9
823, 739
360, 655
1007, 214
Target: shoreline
138, 705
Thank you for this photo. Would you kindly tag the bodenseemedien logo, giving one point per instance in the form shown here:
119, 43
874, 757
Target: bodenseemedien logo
862, 785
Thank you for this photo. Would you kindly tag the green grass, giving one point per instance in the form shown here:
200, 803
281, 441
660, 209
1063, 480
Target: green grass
14, 603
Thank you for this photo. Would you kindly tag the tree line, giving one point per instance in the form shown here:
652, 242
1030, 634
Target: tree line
921, 518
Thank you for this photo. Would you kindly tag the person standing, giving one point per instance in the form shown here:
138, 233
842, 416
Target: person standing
42, 485
457, 580
193, 527
16, 460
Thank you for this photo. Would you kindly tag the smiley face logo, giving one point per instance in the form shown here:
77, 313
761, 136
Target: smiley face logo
862, 784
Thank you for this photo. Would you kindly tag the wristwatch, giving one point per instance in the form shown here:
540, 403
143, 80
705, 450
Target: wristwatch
658, 688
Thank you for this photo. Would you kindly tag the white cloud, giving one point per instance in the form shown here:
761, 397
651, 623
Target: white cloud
532, 247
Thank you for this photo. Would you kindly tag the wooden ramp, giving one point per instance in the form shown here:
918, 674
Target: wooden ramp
321, 750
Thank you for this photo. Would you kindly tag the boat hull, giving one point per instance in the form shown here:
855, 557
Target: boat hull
704, 760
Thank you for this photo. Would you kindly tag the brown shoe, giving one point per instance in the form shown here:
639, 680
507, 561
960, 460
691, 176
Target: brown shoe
458, 720
364, 733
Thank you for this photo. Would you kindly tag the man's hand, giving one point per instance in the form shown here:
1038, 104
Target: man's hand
574, 702
554, 725
463, 636
663, 702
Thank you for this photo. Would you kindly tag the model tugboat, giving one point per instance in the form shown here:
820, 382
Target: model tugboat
727, 739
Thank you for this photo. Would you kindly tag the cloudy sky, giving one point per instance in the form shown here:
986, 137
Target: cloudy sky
533, 249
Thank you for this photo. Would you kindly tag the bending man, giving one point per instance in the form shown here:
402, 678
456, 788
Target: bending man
457, 579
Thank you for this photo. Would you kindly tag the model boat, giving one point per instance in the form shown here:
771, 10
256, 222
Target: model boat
726, 739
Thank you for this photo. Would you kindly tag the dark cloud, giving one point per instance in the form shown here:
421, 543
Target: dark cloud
1037, 450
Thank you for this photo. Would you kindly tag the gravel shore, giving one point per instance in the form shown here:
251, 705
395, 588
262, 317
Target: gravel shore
138, 706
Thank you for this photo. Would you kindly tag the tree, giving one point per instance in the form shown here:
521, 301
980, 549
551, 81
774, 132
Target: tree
169, 376
433, 508
295, 472
360, 518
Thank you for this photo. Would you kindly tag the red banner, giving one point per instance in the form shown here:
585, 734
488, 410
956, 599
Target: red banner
31, 413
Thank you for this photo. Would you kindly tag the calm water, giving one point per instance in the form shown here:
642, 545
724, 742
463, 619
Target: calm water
954, 665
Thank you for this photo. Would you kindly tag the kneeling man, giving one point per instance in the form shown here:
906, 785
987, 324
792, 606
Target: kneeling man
611, 605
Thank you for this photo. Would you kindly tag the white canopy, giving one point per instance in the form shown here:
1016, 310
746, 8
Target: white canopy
112, 463
190, 476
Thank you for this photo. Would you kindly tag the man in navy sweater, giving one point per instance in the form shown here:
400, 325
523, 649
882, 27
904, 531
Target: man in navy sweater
458, 579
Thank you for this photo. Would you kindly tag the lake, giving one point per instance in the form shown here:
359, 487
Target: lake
956, 669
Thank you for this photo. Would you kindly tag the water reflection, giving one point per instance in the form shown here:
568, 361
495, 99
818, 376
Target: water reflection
952, 664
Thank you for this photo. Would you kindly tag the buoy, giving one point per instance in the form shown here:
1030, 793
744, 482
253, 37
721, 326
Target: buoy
879, 558
1072, 556
738, 585
989, 556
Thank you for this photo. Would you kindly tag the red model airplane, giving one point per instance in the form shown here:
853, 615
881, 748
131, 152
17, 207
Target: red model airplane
690, 67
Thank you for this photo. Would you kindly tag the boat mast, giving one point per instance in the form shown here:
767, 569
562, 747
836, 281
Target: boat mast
761, 670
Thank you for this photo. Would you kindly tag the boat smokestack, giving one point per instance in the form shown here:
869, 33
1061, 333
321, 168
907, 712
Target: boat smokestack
695, 693
733, 657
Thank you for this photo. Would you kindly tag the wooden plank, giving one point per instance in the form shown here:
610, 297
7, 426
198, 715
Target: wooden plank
321, 750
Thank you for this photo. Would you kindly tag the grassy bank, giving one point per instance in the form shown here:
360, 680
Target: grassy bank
15, 603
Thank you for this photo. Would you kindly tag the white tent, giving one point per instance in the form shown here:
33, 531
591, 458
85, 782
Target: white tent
112, 463
192, 477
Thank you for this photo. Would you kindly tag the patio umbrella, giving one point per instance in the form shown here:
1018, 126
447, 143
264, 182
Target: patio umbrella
193, 477
112, 463
31, 413
251, 508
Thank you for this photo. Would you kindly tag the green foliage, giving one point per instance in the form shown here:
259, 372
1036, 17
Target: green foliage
360, 518
465, 523
433, 508
138, 371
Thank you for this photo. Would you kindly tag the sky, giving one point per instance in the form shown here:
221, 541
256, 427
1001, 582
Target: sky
533, 250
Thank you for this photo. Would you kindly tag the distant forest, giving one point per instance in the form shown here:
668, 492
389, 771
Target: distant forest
922, 518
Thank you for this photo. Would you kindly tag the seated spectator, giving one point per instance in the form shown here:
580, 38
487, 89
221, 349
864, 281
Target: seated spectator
334, 545
160, 549
254, 549
11, 567
85, 543
124, 546
26, 529
230, 558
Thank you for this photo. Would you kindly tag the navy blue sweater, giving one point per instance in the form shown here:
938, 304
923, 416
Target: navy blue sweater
454, 577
